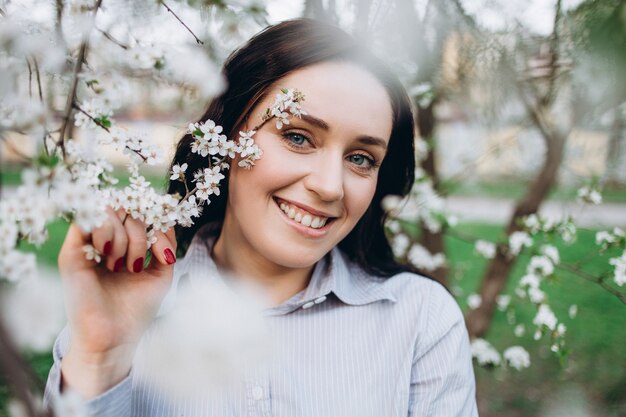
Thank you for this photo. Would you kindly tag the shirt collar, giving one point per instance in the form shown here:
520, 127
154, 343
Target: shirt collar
334, 273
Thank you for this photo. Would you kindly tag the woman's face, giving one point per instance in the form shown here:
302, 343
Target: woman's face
318, 174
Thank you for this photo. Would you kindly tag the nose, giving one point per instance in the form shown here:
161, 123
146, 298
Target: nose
326, 178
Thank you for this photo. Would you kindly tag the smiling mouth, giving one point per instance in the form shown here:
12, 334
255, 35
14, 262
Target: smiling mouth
301, 216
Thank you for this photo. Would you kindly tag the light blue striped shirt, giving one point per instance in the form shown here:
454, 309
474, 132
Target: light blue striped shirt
351, 345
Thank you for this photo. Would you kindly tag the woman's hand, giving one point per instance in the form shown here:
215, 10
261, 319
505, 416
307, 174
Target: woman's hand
109, 305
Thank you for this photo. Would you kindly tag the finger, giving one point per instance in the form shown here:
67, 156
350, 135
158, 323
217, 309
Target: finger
164, 249
102, 237
116, 261
137, 244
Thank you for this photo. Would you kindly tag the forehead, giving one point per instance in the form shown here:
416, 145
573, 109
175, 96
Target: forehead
348, 97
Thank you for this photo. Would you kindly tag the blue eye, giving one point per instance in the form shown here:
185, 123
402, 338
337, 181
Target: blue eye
358, 159
296, 138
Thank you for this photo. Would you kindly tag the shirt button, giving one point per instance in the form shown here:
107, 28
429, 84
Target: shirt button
320, 300
308, 305
257, 393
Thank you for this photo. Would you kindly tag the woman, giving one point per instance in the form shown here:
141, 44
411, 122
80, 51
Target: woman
362, 336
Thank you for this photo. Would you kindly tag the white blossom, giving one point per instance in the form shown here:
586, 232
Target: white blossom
91, 253
400, 244
503, 301
16, 266
474, 301
178, 171
572, 311
484, 353
519, 240
35, 308
541, 265
209, 335
620, 269
485, 249
421, 258
517, 357
545, 317
519, 330
552, 253
536, 296
588, 195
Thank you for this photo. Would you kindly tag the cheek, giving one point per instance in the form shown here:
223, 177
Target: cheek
358, 196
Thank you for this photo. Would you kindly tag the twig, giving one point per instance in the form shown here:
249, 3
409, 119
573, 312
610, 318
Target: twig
30, 78
13, 367
112, 39
592, 278
198, 41
93, 119
71, 98
38, 79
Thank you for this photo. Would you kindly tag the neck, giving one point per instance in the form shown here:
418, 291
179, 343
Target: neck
233, 253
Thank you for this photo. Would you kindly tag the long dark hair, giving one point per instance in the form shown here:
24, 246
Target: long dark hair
252, 69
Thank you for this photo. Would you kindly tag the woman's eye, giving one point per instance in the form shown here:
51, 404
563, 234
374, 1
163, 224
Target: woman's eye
296, 138
359, 159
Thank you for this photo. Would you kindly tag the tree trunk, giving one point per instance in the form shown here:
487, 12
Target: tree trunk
493, 284
433, 241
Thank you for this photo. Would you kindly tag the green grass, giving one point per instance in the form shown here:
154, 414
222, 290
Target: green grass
516, 189
596, 336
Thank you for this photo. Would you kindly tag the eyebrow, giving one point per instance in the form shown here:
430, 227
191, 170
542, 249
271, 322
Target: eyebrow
364, 139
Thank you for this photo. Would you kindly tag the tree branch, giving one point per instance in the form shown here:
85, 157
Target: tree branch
38, 79
71, 98
112, 39
198, 41
596, 280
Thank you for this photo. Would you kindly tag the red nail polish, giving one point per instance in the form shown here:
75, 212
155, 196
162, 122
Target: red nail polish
108, 247
138, 265
118, 264
169, 256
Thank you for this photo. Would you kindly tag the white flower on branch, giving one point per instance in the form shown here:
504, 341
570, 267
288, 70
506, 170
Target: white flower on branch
484, 353
552, 253
209, 336
400, 244
178, 171
541, 265
474, 301
519, 330
517, 357
16, 266
35, 309
421, 258
519, 240
92, 254
620, 269
503, 301
545, 317
572, 311
588, 195
485, 249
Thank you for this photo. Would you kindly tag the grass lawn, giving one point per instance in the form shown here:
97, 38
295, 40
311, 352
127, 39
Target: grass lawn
595, 337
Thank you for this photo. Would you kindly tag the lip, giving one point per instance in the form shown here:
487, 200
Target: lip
300, 228
304, 207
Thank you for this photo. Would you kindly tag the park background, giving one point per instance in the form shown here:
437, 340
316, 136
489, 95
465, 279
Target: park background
483, 157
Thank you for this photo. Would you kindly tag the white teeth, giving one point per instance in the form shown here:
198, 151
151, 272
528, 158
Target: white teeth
308, 220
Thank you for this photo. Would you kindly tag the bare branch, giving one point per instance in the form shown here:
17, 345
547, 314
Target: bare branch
198, 41
594, 279
38, 79
71, 98
112, 39
30, 78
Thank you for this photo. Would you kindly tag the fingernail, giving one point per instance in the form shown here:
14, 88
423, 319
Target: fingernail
138, 265
118, 264
108, 247
169, 256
